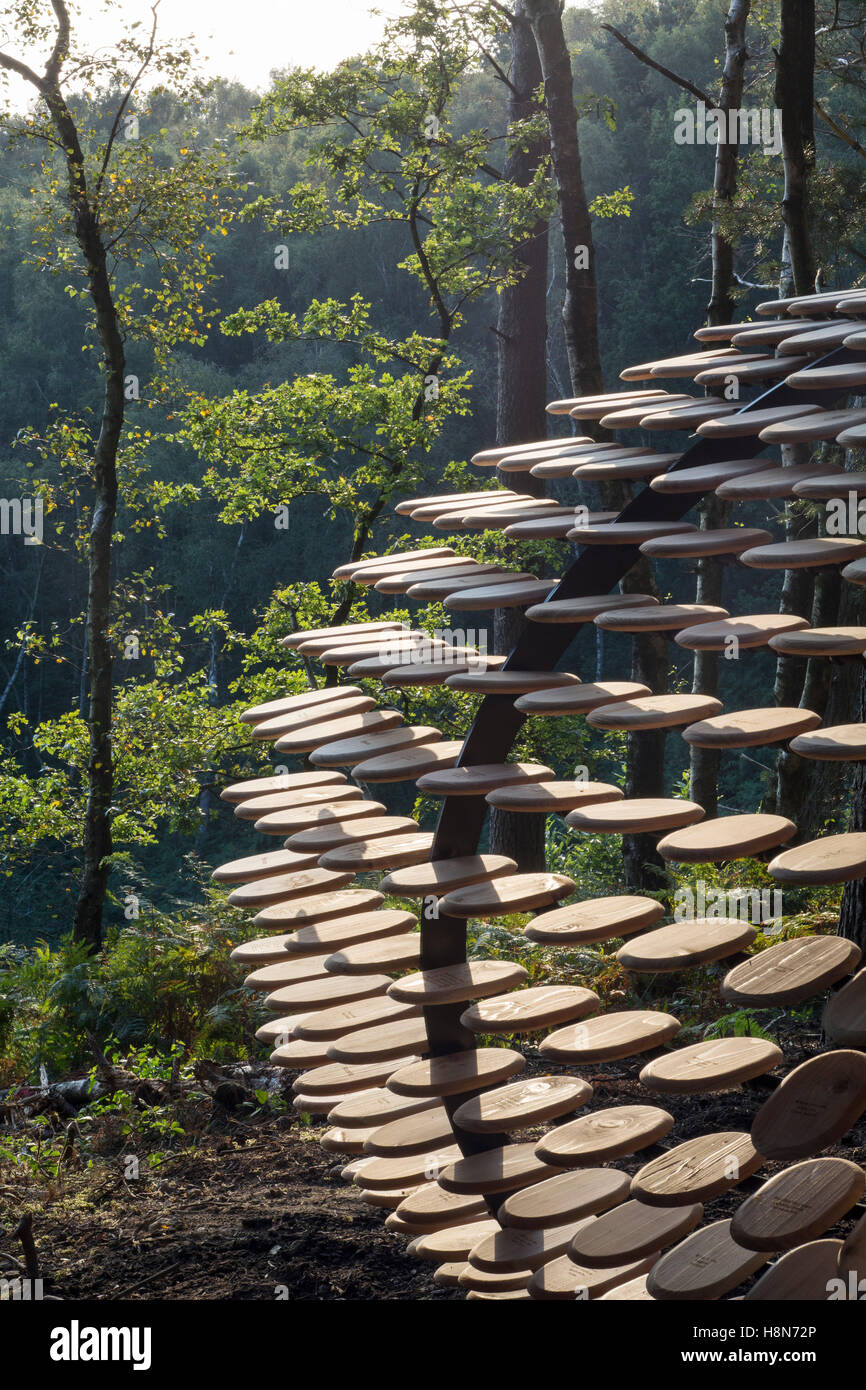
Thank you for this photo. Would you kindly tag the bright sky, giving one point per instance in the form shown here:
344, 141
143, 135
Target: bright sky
242, 40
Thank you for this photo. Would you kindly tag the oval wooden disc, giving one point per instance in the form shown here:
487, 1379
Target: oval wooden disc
751, 728
547, 797
510, 682
632, 1291
852, 1256
791, 971
272, 950
654, 712
639, 816
755, 630
628, 532
810, 426
497, 1170
711, 1066
306, 699
726, 837
610, 1036
844, 1017
697, 1170
516, 893
337, 1077
391, 851
332, 729
344, 831
328, 1024
300, 1053
290, 721
527, 1010
408, 1135
433, 1207
641, 466
457, 1072
281, 888
397, 1172
278, 861
326, 992
517, 1249
374, 1107
772, 482
441, 875
520, 594
286, 972
403, 1037
839, 743
256, 808
579, 699
280, 1030
825, 486
798, 1204
830, 859
343, 1141
353, 567
666, 617
409, 763
584, 609
349, 931
563, 1279
440, 589
482, 778
567, 1197
801, 1276
315, 1105
751, 422
293, 818
722, 540
281, 782
631, 1231
522, 1104
300, 912
484, 1282
794, 555
596, 919
703, 1267
454, 1242
821, 641
382, 953
815, 1105
684, 945
354, 750
604, 1135
452, 984
707, 477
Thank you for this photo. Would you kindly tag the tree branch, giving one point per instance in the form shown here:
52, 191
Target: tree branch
658, 67
839, 130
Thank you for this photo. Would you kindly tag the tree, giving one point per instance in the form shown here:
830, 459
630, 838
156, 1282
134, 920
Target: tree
580, 299
108, 203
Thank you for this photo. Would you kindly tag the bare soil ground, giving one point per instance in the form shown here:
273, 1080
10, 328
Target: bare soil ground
257, 1210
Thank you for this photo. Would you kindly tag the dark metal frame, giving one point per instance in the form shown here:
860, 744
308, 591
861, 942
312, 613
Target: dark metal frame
595, 570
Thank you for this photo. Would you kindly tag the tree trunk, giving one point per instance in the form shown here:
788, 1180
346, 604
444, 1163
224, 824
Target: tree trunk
97, 845
580, 301
721, 306
795, 95
521, 328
